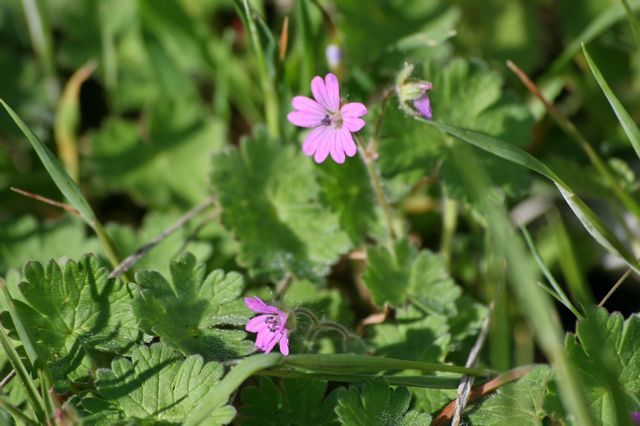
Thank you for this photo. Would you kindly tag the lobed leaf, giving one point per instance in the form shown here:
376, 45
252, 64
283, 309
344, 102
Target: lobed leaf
73, 311
158, 385
377, 403
271, 201
194, 312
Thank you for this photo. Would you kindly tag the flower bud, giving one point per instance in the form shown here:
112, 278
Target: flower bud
412, 93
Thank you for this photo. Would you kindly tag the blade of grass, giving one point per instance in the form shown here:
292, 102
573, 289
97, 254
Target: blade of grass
630, 128
23, 333
428, 382
63, 181
220, 394
271, 105
15, 412
353, 363
24, 376
504, 150
569, 262
572, 131
532, 300
66, 185
559, 294
500, 350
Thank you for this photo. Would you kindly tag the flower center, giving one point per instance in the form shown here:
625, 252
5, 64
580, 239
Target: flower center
333, 119
273, 323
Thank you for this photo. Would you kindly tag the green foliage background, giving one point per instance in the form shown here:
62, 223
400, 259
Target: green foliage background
154, 107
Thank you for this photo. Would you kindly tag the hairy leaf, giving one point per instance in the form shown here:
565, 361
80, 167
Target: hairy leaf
72, 311
406, 273
294, 402
377, 404
606, 353
271, 201
159, 385
518, 403
188, 311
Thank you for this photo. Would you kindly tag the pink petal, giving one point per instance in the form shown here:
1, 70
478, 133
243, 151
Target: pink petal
256, 324
310, 144
332, 88
272, 343
352, 124
423, 104
284, 344
337, 153
257, 305
353, 110
348, 145
264, 337
324, 145
305, 104
304, 119
320, 93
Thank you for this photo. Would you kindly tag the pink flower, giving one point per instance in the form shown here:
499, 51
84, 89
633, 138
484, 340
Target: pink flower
332, 124
271, 326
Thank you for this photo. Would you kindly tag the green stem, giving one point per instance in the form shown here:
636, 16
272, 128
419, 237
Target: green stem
272, 113
376, 183
307, 313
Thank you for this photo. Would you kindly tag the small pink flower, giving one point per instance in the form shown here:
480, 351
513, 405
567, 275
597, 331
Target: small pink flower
271, 326
332, 124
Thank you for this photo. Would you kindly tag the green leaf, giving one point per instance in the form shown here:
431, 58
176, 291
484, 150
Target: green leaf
411, 335
220, 394
60, 177
347, 190
159, 385
606, 353
25, 238
192, 311
627, 123
165, 165
468, 94
71, 312
295, 401
377, 404
271, 201
516, 403
421, 276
